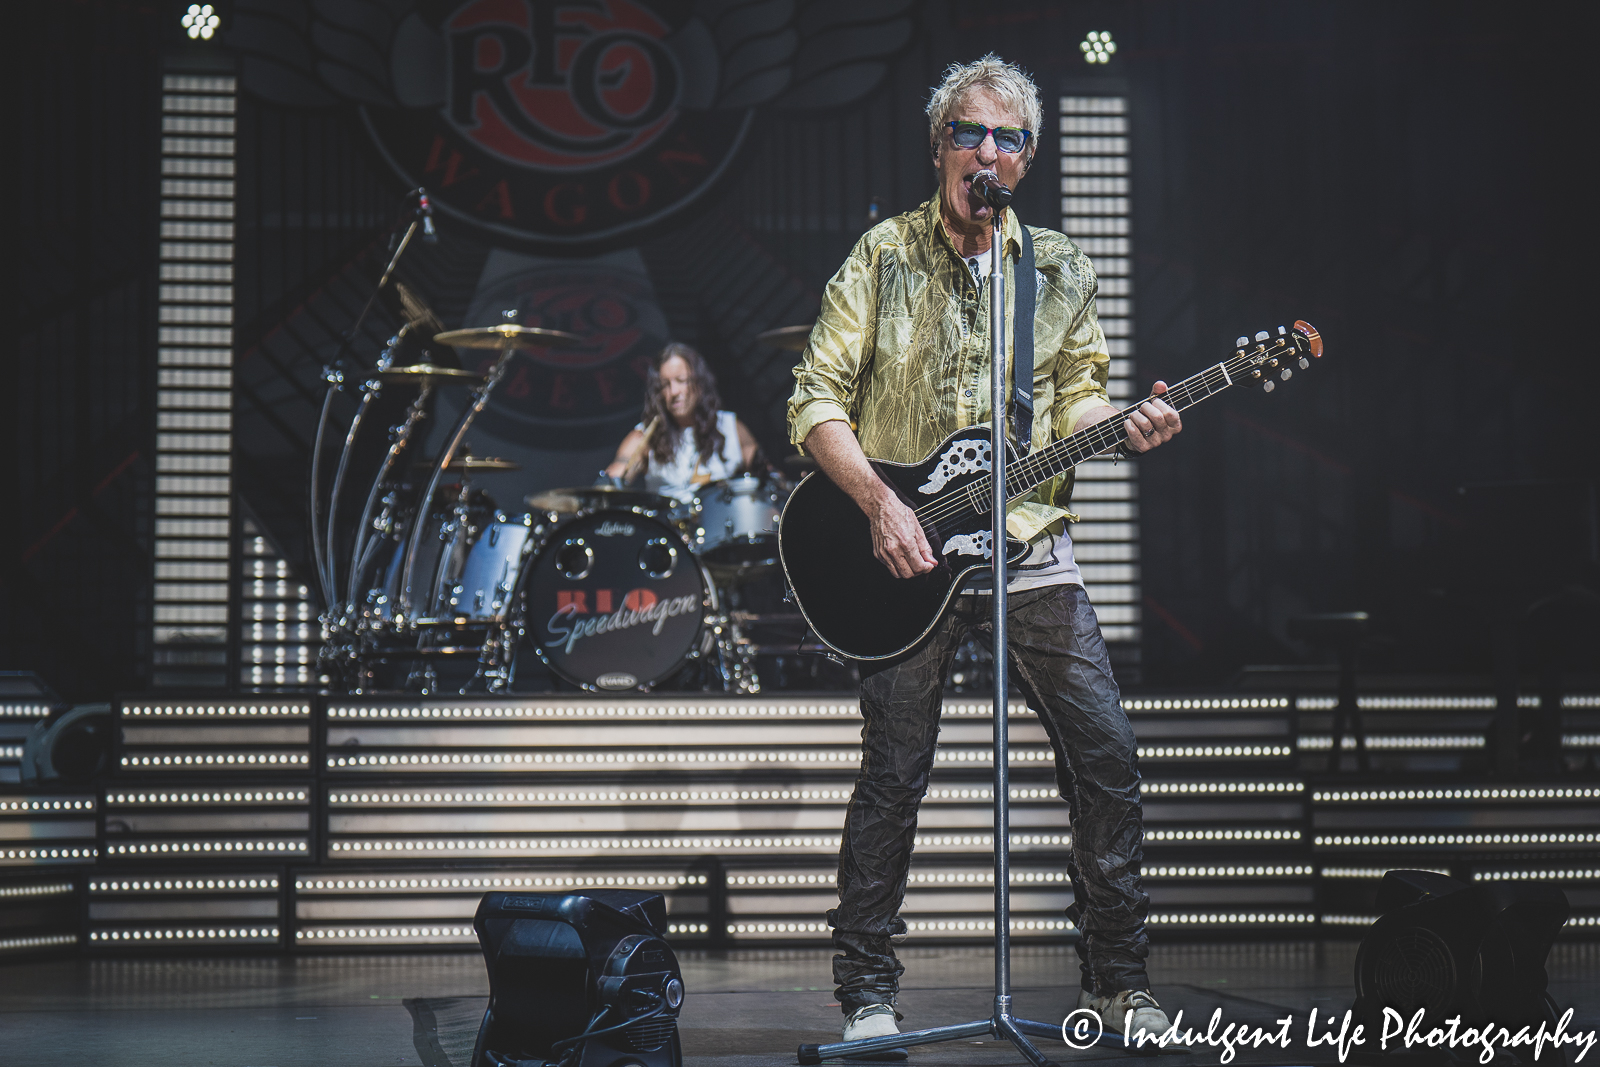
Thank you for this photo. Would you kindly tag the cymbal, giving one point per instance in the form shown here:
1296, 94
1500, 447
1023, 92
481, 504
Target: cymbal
579, 498
418, 372
788, 338
508, 336
478, 463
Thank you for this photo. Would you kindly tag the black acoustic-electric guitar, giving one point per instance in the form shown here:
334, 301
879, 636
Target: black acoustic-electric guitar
857, 607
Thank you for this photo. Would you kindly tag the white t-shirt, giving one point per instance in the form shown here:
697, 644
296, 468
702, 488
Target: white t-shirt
676, 478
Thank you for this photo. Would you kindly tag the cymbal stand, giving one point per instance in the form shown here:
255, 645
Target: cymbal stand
1001, 1024
333, 374
400, 437
404, 613
370, 390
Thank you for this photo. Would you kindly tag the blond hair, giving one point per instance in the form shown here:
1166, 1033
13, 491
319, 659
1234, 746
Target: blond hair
1010, 84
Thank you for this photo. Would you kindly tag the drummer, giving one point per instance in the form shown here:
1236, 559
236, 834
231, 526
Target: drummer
683, 441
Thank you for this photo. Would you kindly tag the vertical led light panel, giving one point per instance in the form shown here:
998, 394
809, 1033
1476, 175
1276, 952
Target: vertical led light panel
195, 398
1094, 213
276, 635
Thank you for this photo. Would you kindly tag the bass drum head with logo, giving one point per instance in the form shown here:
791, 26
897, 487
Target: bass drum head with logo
615, 601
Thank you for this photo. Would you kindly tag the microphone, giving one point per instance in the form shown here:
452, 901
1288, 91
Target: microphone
425, 209
987, 184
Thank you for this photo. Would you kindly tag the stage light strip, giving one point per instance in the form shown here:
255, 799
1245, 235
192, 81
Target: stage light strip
1317, 742
594, 796
585, 845
1584, 700
386, 933
776, 880
1204, 703
1179, 788
1459, 793
738, 708
54, 889
10, 752
1373, 872
1353, 840
1349, 920
1095, 213
23, 944
547, 882
1580, 740
194, 397
265, 933
268, 796
1236, 871
210, 848
182, 885
1584, 920
275, 631
914, 926
1581, 874
24, 711
73, 804
238, 760
243, 710
1187, 836
1241, 918
84, 855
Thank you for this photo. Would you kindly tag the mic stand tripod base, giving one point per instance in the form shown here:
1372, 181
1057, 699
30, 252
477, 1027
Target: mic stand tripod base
1001, 1026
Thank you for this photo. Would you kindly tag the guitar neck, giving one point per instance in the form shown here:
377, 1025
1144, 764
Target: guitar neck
1026, 474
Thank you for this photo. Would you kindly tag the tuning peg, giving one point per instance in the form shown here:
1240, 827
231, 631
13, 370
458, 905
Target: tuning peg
1268, 386
1240, 342
1263, 335
1286, 374
1305, 364
1282, 331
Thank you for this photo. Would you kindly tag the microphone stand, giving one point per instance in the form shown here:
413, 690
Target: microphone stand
1001, 1024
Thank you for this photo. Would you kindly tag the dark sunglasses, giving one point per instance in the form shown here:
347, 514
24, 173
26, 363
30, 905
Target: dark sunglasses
1010, 139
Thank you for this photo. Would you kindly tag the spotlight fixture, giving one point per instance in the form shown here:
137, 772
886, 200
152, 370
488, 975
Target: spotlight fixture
1098, 47
201, 21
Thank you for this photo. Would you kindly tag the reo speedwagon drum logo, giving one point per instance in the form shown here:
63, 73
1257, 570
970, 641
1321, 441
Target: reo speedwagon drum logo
574, 125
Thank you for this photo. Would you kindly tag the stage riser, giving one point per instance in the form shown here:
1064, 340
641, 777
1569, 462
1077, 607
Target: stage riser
733, 808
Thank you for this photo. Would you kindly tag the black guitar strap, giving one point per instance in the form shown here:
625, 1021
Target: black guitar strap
1022, 345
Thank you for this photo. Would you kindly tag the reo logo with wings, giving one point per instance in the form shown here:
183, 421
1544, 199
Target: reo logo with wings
565, 125
558, 84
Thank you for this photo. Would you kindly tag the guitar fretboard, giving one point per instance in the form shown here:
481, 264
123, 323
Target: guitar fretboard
1028, 473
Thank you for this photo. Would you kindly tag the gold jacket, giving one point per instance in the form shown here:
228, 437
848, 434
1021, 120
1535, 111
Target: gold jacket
901, 348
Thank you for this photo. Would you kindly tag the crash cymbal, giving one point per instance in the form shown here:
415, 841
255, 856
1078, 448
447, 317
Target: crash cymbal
788, 338
508, 336
418, 372
586, 497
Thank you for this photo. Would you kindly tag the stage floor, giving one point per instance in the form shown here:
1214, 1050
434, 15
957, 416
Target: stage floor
746, 1008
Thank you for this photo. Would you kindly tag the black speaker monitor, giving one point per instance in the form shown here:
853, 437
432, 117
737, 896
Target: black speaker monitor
1450, 948
579, 979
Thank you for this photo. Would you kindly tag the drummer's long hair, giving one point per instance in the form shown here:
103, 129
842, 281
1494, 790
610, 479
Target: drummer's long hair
704, 416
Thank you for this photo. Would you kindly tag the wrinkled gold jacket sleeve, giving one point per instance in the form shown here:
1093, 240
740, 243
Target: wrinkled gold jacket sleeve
900, 350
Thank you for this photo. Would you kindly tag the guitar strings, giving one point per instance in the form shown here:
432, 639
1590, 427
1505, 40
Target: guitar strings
1104, 435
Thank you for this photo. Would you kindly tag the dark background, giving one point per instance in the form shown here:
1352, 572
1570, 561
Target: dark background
1411, 178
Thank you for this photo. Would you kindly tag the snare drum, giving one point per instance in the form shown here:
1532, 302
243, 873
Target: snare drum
738, 522
616, 601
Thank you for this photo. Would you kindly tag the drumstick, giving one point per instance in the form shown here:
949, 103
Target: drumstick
642, 451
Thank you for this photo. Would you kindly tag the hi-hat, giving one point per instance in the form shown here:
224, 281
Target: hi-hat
508, 336
788, 338
418, 372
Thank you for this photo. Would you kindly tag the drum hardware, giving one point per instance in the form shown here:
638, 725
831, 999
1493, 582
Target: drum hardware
426, 372
576, 499
788, 338
333, 373
476, 463
507, 338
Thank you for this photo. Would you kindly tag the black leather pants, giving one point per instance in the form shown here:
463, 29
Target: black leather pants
1061, 660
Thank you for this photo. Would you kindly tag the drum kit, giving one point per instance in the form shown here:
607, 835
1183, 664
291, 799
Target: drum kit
612, 588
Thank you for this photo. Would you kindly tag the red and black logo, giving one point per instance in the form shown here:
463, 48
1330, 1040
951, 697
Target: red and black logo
562, 121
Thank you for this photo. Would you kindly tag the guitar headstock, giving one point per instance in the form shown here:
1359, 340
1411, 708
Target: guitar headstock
1271, 358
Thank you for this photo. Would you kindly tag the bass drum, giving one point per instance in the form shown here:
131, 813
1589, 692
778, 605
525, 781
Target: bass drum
617, 601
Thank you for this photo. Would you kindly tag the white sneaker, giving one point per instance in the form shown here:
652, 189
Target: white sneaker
1147, 1015
874, 1020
